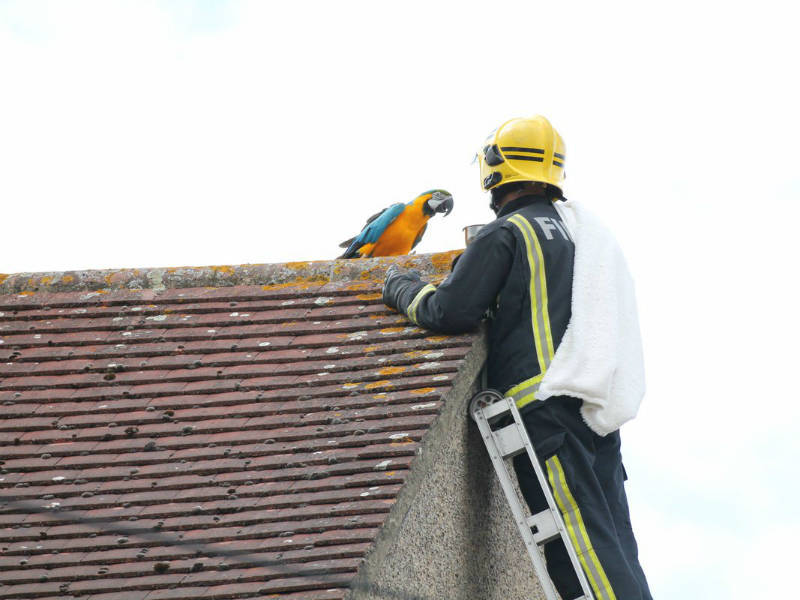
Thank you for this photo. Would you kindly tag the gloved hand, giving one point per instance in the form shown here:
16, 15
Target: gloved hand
394, 283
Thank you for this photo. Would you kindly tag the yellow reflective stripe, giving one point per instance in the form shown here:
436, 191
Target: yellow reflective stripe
517, 220
543, 287
412, 308
540, 313
531, 384
526, 399
577, 531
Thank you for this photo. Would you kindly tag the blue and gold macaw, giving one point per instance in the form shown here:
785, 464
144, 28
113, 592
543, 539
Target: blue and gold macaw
396, 230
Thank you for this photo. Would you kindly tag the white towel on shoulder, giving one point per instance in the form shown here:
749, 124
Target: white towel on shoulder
600, 356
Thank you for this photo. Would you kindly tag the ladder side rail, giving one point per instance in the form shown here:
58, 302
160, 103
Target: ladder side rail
514, 504
545, 485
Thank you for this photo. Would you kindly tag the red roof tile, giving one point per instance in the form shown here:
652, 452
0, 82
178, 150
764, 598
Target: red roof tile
274, 420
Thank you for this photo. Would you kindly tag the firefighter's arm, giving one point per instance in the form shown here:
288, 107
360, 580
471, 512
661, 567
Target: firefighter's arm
460, 302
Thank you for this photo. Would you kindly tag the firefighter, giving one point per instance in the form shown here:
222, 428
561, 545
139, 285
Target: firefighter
519, 271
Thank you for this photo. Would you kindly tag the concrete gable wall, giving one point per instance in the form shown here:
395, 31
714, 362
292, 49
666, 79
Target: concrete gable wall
450, 535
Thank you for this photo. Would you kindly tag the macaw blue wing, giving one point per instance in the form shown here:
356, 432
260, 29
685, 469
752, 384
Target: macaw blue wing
374, 228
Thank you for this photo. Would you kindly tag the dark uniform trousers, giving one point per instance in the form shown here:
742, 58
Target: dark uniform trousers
586, 477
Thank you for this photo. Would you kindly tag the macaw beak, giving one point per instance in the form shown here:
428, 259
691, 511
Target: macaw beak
440, 202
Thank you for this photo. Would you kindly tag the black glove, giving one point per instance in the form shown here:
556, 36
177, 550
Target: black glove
395, 282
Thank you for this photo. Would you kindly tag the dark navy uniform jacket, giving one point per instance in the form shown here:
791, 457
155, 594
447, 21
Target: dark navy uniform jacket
519, 269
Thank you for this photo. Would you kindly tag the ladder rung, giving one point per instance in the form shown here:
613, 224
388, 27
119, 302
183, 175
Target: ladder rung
545, 524
495, 410
509, 441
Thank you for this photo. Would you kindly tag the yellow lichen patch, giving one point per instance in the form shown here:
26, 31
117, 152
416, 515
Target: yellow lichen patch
371, 349
390, 473
377, 384
369, 297
356, 286
3, 277
415, 353
375, 273
391, 330
227, 269
402, 442
350, 386
301, 283
64, 279
436, 338
380, 396
297, 266
443, 260
27, 293
391, 370
422, 391
279, 286
45, 280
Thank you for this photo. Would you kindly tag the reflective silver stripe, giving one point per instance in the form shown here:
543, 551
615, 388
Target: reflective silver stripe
525, 392
524, 398
541, 295
412, 308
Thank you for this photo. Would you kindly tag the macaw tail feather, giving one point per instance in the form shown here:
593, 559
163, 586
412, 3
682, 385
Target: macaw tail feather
352, 251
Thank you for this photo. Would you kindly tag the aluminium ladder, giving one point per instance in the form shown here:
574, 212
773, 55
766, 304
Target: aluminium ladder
488, 409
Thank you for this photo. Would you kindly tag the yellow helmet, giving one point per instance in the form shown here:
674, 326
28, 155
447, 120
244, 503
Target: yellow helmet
523, 149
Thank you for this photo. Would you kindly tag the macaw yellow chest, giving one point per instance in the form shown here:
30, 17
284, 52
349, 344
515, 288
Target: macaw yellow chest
399, 236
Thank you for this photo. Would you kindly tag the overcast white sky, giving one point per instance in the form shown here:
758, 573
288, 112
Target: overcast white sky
144, 133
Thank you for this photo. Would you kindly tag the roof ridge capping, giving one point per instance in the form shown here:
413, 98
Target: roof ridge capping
312, 272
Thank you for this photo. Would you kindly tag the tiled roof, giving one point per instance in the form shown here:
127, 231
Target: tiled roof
280, 420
